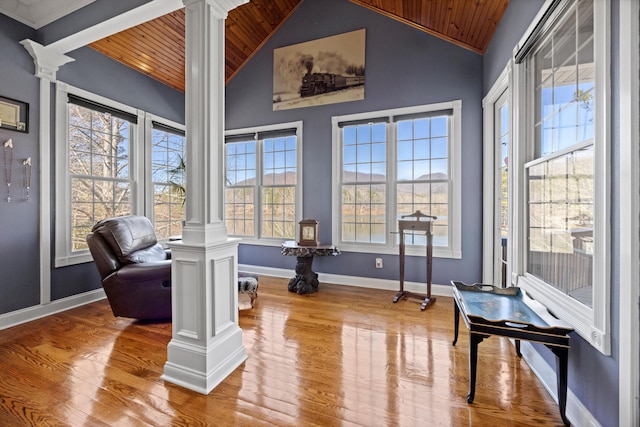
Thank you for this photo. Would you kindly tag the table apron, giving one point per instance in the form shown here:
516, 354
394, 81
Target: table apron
557, 340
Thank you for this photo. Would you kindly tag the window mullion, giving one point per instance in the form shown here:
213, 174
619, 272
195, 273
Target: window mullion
137, 165
257, 188
392, 186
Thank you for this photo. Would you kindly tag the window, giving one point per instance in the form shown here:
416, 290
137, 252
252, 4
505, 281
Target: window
99, 141
363, 187
168, 151
112, 160
392, 163
564, 203
263, 182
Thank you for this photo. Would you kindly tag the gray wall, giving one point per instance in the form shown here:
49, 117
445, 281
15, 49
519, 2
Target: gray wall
99, 74
19, 273
404, 67
592, 376
514, 22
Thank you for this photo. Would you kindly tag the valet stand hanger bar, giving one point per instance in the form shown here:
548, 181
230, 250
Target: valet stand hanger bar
411, 226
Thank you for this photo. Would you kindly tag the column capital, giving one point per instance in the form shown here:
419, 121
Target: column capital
219, 8
46, 60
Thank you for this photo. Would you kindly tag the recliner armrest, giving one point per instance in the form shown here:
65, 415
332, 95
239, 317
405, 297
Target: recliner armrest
149, 271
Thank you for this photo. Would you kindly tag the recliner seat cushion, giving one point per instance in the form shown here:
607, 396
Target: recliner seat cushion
131, 238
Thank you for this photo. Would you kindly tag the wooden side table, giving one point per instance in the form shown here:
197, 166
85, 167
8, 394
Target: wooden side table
411, 226
305, 280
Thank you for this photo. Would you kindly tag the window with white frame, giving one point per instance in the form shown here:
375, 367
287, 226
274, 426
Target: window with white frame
105, 167
562, 254
168, 176
99, 165
392, 163
263, 178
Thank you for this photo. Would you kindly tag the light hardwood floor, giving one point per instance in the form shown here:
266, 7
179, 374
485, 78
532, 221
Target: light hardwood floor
344, 356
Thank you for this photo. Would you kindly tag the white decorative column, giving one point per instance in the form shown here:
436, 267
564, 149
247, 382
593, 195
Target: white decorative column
47, 62
206, 344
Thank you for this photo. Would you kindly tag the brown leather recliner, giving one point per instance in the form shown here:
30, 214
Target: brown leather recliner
135, 269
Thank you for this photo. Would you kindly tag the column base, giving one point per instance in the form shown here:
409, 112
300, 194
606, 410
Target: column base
206, 343
201, 369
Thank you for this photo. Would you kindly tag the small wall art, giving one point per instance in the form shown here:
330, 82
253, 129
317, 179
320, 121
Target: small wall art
14, 115
318, 72
7, 165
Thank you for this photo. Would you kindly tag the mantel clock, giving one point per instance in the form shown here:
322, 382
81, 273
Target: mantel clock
308, 233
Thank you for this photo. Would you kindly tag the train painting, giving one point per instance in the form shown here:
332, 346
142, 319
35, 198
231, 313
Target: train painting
319, 83
319, 72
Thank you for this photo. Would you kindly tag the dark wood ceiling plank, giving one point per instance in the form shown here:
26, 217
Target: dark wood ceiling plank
490, 26
294, 4
171, 79
366, 3
478, 22
463, 18
166, 71
433, 13
254, 17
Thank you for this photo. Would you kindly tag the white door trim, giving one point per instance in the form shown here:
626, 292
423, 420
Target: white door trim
488, 191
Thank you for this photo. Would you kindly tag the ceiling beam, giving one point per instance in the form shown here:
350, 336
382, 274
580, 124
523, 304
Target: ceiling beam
148, 11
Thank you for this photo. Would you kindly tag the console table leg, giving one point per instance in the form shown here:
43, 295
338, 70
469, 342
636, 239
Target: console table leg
562, 358
474, 340
305, 281
456, 322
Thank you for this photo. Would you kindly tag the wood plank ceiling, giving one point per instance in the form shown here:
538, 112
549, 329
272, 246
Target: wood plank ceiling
157, 48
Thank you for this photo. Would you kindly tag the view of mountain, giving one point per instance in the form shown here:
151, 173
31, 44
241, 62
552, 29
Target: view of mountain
441, 186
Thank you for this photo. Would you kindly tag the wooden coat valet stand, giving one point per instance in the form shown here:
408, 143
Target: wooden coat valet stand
412, 226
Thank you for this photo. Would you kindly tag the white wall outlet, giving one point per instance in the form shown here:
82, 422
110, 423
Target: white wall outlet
378, 262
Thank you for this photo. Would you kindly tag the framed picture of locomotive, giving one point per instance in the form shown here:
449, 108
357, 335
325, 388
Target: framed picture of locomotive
318, 72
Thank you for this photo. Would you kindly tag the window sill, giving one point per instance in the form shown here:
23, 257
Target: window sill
260, 242
73, 259
438, 252
568, 309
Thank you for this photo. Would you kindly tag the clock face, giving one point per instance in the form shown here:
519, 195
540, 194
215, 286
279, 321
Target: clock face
308, 233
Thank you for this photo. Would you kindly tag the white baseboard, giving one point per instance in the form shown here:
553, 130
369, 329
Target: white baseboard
576, 412
358, 281
36, 312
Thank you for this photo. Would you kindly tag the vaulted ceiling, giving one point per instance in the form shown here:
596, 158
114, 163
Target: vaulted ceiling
157, 48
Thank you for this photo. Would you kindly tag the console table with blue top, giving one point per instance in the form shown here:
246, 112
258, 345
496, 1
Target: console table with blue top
508, 312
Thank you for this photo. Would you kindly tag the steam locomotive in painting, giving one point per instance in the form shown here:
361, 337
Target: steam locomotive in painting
317, 83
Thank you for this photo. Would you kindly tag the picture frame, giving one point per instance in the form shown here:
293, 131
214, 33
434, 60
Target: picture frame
323, 71
14, 115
